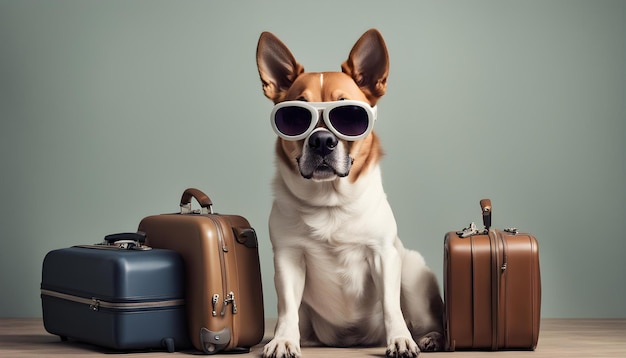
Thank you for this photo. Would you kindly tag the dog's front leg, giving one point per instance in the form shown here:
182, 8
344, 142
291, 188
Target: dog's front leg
289, 278
386, 266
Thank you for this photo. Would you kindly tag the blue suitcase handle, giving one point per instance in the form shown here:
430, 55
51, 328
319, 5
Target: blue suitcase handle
138, 236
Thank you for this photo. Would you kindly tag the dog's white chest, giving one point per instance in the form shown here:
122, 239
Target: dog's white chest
339, 280
340, 233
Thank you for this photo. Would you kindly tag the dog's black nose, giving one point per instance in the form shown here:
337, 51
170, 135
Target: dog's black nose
323, 142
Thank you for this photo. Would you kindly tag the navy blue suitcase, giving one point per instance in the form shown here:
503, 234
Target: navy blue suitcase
120, 295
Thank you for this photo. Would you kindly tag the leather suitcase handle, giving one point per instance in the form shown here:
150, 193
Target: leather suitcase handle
203, 199
485, 207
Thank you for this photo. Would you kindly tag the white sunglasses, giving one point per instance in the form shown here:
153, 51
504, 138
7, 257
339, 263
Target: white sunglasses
348, 119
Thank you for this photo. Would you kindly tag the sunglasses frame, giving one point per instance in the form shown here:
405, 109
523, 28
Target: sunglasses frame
325, 108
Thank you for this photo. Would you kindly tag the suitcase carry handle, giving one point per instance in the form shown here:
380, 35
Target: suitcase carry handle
485, 206
123, 241
138, 236
205, 202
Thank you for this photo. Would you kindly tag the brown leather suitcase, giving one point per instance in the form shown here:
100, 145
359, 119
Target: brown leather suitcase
223, 279
492, 288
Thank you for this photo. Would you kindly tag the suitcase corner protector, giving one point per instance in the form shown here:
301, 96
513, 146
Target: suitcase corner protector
213, 342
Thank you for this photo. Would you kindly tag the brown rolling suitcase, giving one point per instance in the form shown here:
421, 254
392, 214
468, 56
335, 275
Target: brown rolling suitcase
223, 279
492, 288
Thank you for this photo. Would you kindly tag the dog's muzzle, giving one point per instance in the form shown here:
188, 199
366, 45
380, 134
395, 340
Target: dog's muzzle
324, 157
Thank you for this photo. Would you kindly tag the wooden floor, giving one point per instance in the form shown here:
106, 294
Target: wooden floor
558, 338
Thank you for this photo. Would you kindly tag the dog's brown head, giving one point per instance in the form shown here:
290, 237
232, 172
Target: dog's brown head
321, 155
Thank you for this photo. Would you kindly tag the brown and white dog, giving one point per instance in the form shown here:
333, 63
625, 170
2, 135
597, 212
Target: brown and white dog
342, 276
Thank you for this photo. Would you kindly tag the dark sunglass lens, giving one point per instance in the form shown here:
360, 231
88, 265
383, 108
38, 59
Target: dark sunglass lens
292, 121
349, 120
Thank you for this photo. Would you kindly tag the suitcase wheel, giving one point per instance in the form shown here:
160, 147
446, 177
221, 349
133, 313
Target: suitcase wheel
210, 348
63, 338
168, 343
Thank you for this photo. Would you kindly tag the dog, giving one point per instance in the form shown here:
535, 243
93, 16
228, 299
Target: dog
342, 275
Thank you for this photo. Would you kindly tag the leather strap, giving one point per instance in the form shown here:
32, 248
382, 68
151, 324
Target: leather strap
503, 278
495, 287
494, 240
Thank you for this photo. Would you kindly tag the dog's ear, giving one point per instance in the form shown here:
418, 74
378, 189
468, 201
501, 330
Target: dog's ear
278, 68
368, 65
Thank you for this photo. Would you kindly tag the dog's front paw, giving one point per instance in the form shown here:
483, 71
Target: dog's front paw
402, 347
431, 342
282, 348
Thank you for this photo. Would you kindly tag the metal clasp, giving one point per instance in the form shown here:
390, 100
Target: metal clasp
214, 301
131, 245
95, 305
186, 209
230, 298
470, 230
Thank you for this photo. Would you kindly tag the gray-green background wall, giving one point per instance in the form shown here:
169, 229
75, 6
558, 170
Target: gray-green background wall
109, 109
